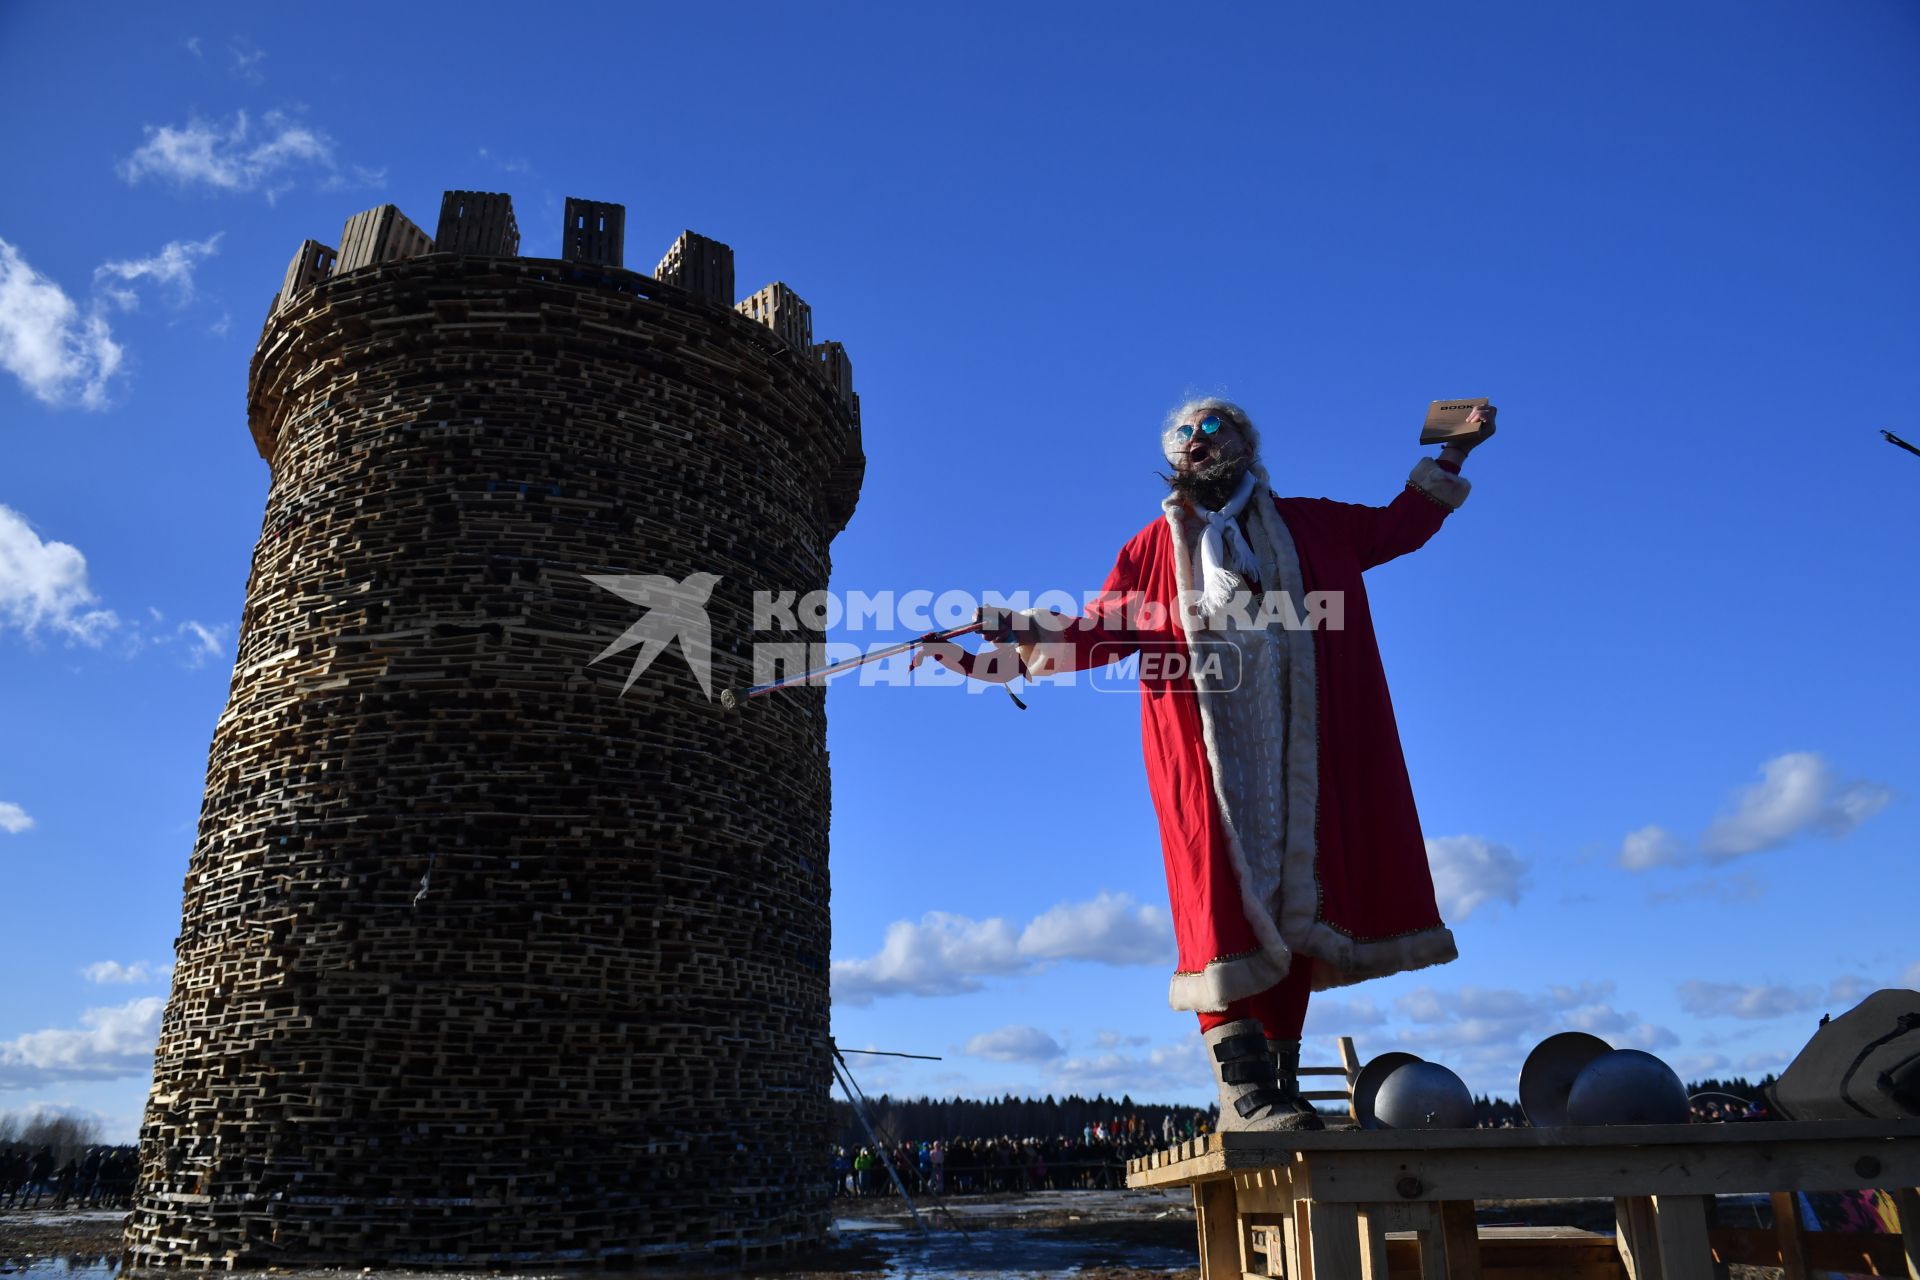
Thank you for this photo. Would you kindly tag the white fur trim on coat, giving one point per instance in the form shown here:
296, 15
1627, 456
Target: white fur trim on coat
1440, 484
1279, 874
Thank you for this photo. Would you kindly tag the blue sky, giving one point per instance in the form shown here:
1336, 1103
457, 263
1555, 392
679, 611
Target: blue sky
1654, 681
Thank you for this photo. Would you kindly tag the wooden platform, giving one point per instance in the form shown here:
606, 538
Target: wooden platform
1327, 1205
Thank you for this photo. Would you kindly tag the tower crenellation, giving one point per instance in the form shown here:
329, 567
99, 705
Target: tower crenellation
312, 264
379, 235
595, 232
479, 222
783, 311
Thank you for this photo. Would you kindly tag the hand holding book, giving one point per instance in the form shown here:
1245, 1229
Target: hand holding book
1459, 424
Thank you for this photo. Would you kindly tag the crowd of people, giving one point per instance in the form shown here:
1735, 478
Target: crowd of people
966, 1166
97, 1177
1095, 1156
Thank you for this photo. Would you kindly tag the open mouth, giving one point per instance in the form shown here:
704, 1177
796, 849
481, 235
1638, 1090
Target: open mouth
1198, 453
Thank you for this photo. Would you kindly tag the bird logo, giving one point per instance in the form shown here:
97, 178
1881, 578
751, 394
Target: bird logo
673, 609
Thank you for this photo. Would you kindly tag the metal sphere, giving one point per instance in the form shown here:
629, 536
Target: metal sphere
1627, 1086
1366, 1086
1423, 1095
1550, 1071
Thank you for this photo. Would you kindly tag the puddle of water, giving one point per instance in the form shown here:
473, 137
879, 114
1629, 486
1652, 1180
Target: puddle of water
990, 1255
101, 1267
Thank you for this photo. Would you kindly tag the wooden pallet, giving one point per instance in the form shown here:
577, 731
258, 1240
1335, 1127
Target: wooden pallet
1327, 1205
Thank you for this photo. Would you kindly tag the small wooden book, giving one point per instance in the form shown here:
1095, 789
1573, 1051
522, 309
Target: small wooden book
1447, 420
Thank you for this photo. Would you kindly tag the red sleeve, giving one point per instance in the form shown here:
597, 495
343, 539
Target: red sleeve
1380, 534
1104, 633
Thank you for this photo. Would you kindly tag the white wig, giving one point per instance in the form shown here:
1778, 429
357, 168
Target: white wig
1170, 444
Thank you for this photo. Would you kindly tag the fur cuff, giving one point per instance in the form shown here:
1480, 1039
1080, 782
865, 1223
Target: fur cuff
1439, 484
1222, 982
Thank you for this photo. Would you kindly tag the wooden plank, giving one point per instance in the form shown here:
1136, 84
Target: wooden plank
1906, 1202
1673, 1169
1680, 1235
1860, 1252
1575, 1136
1422, 1219
1460, 1236
1300, 1242
1789, 1231
1590, 1259
1333, 1234
1218, 1225
1373, 1243
1633, 1236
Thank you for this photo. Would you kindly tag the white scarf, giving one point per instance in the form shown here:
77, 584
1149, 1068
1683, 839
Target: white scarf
1224, 553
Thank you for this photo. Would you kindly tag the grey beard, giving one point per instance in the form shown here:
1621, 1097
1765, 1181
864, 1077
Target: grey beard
1212, 485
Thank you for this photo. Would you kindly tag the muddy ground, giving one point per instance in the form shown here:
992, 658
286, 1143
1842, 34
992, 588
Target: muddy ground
1087, 1235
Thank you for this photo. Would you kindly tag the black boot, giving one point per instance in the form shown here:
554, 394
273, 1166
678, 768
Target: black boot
1286, 1073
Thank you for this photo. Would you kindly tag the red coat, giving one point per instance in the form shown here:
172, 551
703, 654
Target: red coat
1365, 863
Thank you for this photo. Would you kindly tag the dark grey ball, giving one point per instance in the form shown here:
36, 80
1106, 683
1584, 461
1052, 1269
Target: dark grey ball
1627, 1086
1423, 1095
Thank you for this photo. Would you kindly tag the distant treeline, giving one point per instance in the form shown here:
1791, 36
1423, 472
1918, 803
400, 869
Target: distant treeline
952, 1119
67, 1136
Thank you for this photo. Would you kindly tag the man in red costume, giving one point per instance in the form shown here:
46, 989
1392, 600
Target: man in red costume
1294, 856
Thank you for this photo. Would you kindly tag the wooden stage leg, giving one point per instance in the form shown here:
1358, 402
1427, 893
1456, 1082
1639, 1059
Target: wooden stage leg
1299, 1244
1334, 1232
1461, 1235
1373, 1242
1633, 1236
1787, 1229
1216, 1216
1906, 1201
1680, 1234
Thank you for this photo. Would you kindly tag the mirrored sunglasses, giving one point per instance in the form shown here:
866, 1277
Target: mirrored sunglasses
1208, 425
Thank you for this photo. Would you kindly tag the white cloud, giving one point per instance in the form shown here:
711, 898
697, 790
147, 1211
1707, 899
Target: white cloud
1330, 1017
1111, 929
112, 1043
13, 819
1698, 1066
1172, 1069
1762, 1000
203, 642
61, 356
506, 164
1015, 1044
1115, 1040
244, 59
1501, 1019
1740, 1000
1739, 886
107, 972
1797, 792
172, 269
946, 954
1911, 978
237, 157
1469, 872
1650, 847
193, 46
1644, 1035
44, 584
